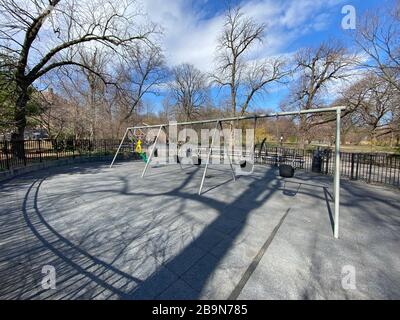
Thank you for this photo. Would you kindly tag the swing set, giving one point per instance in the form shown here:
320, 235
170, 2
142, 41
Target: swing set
137, 139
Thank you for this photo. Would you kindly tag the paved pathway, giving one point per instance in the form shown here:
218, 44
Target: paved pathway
111, 235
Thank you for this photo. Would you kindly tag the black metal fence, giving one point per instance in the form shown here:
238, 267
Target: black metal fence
380, 168
23, 153
372, 168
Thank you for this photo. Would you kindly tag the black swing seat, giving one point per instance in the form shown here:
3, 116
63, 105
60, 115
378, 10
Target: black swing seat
246, 166
286, 171
196, 160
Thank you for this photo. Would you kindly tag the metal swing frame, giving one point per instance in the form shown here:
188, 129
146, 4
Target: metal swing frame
218, 122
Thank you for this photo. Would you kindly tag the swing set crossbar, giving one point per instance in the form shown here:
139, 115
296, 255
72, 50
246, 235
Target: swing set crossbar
249, 117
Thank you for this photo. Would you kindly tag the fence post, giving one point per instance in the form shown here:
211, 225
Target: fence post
352, 167
357, 165
6, 153
73, 149
40, 151
22, 146
65, 153
370, 168
56, 147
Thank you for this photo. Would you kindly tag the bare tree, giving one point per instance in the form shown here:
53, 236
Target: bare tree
141, 72
46, 35
53, 115
317, 69
7, 97
105, 110
69, 97
375, 104
258, 75
243, 79
189, 90
95, 90
378, 36
375, 98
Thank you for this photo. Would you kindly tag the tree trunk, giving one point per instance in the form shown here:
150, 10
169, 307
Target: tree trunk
17, 136
233, 102
303, 131
233, 87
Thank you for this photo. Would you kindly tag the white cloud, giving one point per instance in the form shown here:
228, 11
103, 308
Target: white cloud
187, 37
190, 37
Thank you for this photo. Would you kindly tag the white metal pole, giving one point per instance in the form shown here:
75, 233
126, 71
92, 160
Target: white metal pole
277, 114
119, 147
151, 152
133, 140
337, 176
226, 150
208, 157
254, 145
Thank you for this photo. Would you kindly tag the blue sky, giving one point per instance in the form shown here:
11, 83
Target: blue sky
192, 27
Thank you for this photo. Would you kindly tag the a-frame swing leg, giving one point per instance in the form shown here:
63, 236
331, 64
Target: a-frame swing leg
133, 140
208, 157
151, 152
119, 147
227, 153
253, 151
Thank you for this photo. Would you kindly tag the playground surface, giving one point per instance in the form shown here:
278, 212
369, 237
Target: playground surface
110, 234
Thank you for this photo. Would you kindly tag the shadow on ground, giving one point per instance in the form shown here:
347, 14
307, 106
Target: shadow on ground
131, 264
